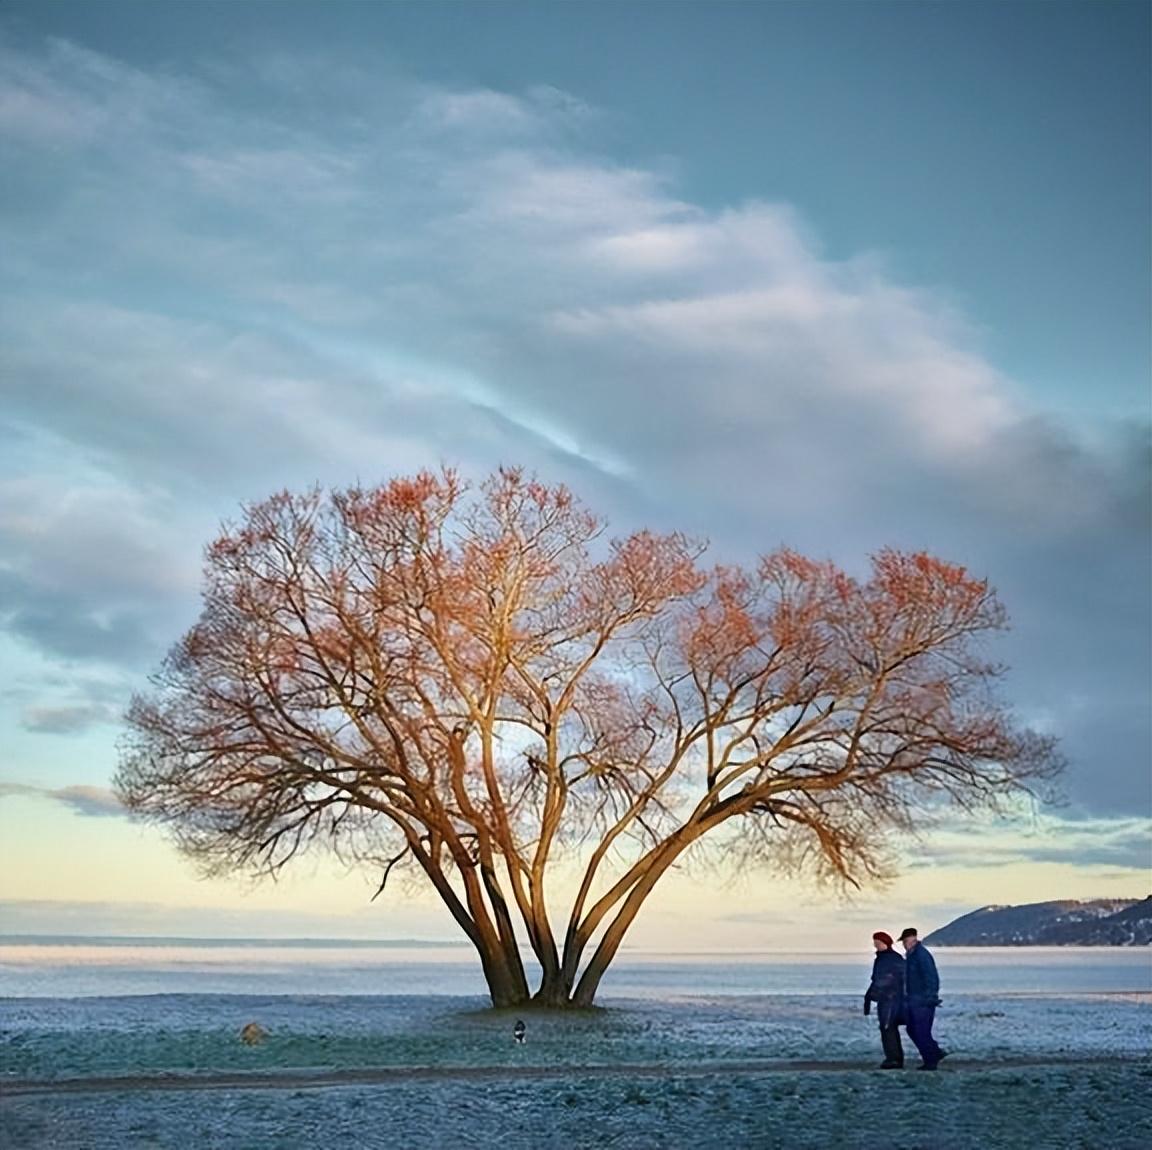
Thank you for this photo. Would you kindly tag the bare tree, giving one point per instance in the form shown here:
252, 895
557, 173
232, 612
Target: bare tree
478, 684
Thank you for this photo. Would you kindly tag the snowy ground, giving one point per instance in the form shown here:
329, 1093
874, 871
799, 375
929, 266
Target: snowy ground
755, 1071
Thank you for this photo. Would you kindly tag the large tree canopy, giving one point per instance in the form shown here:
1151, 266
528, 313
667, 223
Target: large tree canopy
477, 683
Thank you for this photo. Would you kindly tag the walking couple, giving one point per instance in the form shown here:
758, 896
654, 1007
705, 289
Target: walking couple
906, 992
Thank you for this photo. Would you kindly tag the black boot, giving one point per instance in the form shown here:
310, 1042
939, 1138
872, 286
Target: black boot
893, 1048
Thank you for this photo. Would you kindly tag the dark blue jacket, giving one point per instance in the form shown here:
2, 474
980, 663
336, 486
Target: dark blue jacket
922, 983
887, 988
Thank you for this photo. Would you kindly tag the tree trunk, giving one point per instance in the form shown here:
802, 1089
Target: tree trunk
510, 966
589, 982
507, 984
495, 941
555, 991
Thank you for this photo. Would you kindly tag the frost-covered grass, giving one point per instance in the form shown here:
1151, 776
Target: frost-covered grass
1022, 1109
57, 1038
1026, 1071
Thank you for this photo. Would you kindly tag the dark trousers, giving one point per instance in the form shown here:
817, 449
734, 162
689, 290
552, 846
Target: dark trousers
920, 1019
893, 1047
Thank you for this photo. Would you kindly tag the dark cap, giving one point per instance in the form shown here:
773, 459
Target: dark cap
884, 937
908, 932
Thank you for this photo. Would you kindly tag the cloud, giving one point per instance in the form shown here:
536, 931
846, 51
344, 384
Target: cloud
71, 720
58, 100
45, 697
124, 918
89, 567
93, 802
1107, 842
487, 114
863, 916
276, 295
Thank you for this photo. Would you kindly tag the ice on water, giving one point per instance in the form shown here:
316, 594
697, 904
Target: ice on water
1049, 1050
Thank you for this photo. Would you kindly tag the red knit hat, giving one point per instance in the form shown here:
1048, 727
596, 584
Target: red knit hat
883, 937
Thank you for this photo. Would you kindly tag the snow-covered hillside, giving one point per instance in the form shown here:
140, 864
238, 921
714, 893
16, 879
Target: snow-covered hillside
1095, 922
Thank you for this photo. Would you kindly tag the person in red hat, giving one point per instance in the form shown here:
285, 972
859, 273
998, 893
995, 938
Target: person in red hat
887, 991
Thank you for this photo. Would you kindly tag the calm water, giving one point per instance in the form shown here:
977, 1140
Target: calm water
86, 967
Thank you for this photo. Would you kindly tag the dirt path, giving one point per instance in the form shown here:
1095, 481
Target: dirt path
382, 1076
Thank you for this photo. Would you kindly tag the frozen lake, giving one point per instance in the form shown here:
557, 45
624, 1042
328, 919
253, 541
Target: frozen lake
83, 967
125, 1044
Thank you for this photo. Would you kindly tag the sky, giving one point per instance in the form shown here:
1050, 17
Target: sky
839, 276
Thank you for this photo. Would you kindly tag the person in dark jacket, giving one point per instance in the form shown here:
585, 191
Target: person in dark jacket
922, 993
887, 991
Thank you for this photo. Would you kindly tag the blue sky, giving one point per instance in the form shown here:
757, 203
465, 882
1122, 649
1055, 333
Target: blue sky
834, 275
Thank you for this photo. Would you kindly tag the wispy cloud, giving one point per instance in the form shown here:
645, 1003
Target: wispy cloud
127, 918
68, 720
482, 112
94, 802
1115, 842
287, 297
87, 563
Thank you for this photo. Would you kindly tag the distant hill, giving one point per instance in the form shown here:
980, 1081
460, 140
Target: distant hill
1097, 922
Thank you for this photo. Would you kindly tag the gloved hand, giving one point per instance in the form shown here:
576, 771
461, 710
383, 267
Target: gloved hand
867, 1007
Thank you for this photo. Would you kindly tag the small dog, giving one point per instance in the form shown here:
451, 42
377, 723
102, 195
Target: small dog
518, 1032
